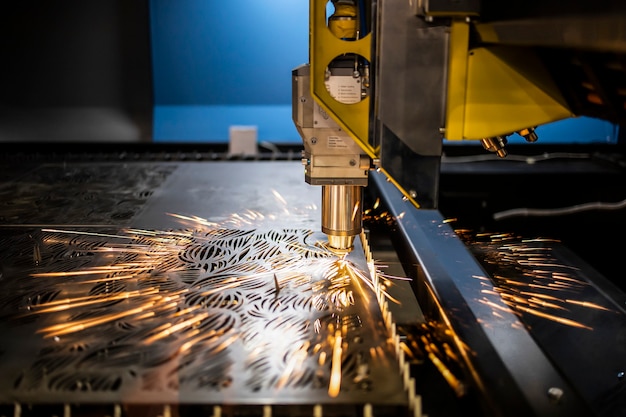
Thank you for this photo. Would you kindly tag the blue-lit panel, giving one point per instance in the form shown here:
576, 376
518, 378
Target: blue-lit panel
235, 52
581, 130
212, 123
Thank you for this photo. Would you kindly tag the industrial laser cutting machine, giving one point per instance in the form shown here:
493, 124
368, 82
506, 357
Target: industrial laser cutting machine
357, 275
386, 82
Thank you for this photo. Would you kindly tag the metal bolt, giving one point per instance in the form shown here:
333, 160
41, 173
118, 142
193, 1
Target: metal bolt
313, 140
555, 394
303, 99
413, 193
352, 162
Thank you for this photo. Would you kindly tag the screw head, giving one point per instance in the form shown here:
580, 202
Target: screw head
555, 394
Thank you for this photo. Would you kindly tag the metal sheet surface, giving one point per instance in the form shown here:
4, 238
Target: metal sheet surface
500, 355
184, 283
574, 314
537, 328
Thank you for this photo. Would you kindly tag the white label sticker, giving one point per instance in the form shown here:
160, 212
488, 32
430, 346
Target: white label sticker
344, 89
336, 142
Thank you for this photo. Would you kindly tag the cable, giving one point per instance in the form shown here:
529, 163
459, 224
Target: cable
559, 211
361, 16
269, 146
518, 158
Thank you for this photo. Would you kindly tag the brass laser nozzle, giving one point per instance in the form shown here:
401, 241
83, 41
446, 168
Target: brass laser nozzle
342, 215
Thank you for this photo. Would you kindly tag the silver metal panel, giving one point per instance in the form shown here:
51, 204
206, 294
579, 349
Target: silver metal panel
215, 289
411, 71
575, 315
499, 354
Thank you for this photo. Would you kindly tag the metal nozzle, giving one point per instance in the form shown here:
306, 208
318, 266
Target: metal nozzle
495, 144
342, 214
529, 134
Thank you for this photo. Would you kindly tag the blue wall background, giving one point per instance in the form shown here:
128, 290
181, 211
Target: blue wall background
223, 63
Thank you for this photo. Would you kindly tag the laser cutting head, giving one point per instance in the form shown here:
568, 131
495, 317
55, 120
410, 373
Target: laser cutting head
332, 159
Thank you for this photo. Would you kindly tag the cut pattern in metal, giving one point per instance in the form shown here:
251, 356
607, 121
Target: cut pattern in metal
53, 193
201, 314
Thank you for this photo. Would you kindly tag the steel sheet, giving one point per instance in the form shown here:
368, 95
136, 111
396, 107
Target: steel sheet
195, 283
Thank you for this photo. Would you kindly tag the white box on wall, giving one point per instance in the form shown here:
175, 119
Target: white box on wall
242, 140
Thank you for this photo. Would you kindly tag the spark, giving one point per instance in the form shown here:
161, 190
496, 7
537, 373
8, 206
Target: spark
194, 219
480, 277
177, 327
140, 249
545, 265
90, 271
543, 281
552, 317
279, 197
76, 232
226, 343
494, 305
154, 257
202, 337
73, 273
539, 295
295, 362
393, 277
587, 304
539, 239
545, 304
88, 301
452, 380
109, 279
335, 373
72, 327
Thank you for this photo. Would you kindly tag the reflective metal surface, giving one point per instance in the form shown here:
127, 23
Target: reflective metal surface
217, 288
575, 315
505, 363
